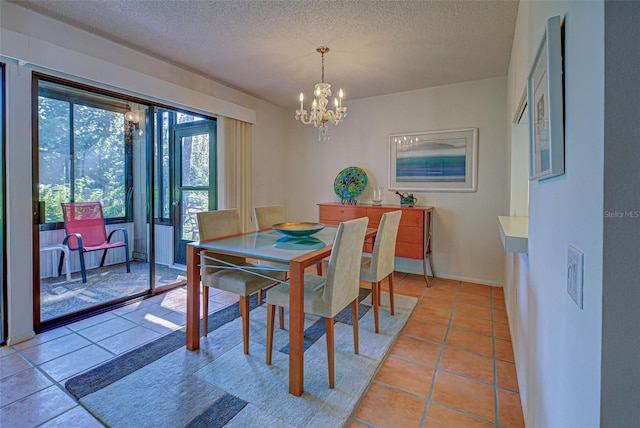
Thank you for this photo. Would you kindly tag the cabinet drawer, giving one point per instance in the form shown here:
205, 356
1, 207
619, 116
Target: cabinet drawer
340, 214
329, 222
412, 218
409, 250
413, 235
409, 217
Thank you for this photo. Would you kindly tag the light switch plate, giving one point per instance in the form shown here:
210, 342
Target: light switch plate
575, 268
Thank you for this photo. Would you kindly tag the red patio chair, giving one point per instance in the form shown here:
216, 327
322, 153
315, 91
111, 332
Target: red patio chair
84, 224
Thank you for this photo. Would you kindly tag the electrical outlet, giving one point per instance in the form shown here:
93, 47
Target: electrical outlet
575, 268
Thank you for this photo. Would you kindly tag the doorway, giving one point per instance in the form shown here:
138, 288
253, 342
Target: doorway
192, 193
185, 180
89, 148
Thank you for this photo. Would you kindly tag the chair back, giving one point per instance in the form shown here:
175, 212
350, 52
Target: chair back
216, 224
343, 271
382, 259
86, 219
267, 216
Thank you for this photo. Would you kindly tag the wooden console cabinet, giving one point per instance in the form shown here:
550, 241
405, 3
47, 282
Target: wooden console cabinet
414, 233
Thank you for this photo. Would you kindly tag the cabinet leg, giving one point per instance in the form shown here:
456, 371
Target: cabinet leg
424, 269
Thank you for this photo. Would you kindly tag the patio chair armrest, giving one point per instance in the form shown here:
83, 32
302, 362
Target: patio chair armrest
125, 233
78, 237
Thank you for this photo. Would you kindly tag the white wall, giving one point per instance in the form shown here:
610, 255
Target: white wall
54, 48
557, 345
519, 182
466, 244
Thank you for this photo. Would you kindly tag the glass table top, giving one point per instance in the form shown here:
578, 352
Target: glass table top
271, 245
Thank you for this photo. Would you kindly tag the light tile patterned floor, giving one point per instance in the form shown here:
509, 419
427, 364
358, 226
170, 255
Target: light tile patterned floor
452, 366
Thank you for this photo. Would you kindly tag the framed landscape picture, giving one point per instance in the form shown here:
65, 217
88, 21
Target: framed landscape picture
544, 96
434, 161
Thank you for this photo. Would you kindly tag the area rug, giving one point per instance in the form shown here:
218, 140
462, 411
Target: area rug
162, 384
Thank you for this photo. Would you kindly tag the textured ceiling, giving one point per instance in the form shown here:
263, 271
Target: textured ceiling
268, 48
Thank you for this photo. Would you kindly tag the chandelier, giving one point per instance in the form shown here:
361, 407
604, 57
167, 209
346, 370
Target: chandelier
319, 114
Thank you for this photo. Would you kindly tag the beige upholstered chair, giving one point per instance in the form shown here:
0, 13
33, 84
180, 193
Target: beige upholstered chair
265, 217
380, 264
216, 224
325, 296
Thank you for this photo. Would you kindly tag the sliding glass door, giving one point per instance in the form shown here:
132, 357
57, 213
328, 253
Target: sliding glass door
98, 156
90, 171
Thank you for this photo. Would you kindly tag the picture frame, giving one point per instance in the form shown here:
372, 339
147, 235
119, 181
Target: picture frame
546, 111
434, 161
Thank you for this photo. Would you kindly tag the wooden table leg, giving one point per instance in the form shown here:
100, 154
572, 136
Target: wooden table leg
296, 329
193, 298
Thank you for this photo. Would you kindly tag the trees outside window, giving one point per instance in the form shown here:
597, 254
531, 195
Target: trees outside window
84, 151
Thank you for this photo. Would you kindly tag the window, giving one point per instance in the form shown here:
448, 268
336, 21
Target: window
84, 151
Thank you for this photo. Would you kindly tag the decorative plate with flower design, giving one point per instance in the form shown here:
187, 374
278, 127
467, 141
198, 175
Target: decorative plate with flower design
350, 183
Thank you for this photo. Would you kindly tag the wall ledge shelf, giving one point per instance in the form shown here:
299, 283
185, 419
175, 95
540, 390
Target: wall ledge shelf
514, 232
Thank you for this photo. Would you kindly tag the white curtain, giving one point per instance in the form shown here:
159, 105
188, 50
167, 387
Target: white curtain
235, 178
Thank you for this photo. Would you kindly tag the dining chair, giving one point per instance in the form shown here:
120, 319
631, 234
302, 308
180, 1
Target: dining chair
265, 217
221, 271
381, 263
325, 296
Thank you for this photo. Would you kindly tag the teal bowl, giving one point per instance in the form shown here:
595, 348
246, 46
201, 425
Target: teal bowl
298, 228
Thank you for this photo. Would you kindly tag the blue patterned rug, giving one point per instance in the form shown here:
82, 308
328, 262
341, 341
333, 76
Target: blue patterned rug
163, 384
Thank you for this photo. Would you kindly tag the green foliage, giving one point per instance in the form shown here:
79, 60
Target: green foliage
98, 157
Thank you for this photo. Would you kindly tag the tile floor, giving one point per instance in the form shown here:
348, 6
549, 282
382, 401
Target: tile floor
452, 366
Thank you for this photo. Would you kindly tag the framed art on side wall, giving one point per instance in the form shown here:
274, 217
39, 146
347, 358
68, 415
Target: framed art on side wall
544, 96
434, 161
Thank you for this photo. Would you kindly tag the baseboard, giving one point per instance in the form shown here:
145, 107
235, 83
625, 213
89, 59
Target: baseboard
473, 280
415, 267
14, 340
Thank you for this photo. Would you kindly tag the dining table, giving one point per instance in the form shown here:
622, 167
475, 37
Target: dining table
299, 252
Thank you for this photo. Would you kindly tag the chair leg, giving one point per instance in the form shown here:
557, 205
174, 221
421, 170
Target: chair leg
271, 313
319, 268
205, 309
391, 293
376, 303
82, 265
104, 257
355, 320
281, 313
260, 297
244, 304
126, 252
328, 322
60, 263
